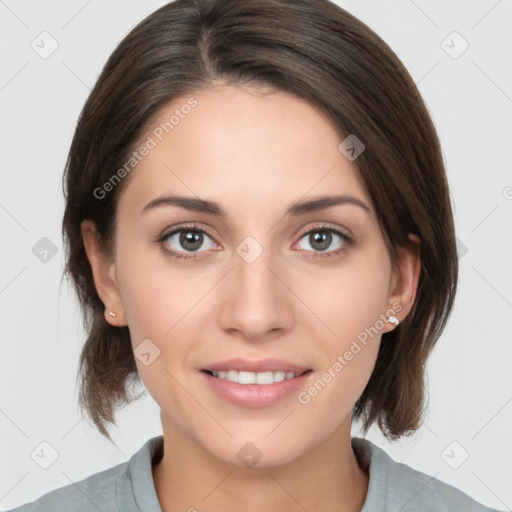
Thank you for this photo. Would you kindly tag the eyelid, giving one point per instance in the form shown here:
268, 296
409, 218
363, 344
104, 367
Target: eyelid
182, 227
325, 225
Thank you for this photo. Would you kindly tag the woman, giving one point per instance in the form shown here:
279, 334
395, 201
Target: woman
286, 143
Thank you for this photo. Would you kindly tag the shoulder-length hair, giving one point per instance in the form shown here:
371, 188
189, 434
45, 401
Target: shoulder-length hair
321, 53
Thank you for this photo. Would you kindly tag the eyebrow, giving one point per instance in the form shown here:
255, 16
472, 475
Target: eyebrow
295, 210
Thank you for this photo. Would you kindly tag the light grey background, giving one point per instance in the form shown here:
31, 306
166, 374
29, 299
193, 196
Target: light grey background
470, 99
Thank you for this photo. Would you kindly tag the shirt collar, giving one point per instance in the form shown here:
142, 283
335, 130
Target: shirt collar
372, 459
136, 488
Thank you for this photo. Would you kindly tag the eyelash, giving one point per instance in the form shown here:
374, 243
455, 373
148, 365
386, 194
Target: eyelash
347, 241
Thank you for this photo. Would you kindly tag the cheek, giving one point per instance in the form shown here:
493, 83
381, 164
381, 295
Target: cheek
351, 306
156, 301
350, 300
154, 294
160, 303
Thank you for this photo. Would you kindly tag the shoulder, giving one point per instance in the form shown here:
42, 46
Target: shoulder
397, 486
121, 487
86, 495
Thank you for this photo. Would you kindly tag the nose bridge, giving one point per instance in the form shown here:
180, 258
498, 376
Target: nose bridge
258, 301
252, 268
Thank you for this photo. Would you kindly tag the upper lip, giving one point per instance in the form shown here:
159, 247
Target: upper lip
263, 365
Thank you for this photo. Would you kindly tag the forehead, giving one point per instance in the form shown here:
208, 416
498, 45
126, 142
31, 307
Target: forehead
241, 147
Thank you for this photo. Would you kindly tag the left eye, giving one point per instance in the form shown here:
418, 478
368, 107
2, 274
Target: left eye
320, 239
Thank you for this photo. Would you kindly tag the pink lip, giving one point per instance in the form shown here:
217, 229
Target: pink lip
255, 395
264, 365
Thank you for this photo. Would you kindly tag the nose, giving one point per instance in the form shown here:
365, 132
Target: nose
258, 303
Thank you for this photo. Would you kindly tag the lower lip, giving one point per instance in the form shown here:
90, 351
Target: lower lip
255, 395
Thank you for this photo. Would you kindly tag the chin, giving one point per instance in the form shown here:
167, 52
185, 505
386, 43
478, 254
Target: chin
256, 451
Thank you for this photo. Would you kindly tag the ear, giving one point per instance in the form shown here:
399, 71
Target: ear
103, 270
404, 282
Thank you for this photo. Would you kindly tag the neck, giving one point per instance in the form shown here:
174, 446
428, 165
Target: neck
326, 477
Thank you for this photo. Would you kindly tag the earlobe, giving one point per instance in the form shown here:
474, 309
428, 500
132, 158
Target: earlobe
103, 270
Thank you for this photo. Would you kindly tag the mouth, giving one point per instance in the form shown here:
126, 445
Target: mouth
262, 378
255, 384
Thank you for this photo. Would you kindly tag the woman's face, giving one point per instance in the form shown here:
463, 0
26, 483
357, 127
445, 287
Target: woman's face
261, 282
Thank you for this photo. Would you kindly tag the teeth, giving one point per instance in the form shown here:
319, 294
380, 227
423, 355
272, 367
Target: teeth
255, 378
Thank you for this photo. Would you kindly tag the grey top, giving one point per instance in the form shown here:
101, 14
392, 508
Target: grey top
129, 487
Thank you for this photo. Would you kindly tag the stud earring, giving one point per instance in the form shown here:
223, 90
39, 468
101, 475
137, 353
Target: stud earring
393, 319
111, 313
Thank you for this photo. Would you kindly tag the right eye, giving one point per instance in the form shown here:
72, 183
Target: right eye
190, 238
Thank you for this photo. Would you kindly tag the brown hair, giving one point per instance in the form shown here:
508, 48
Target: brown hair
314, 50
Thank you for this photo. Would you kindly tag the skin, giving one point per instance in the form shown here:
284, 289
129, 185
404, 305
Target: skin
255, 155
